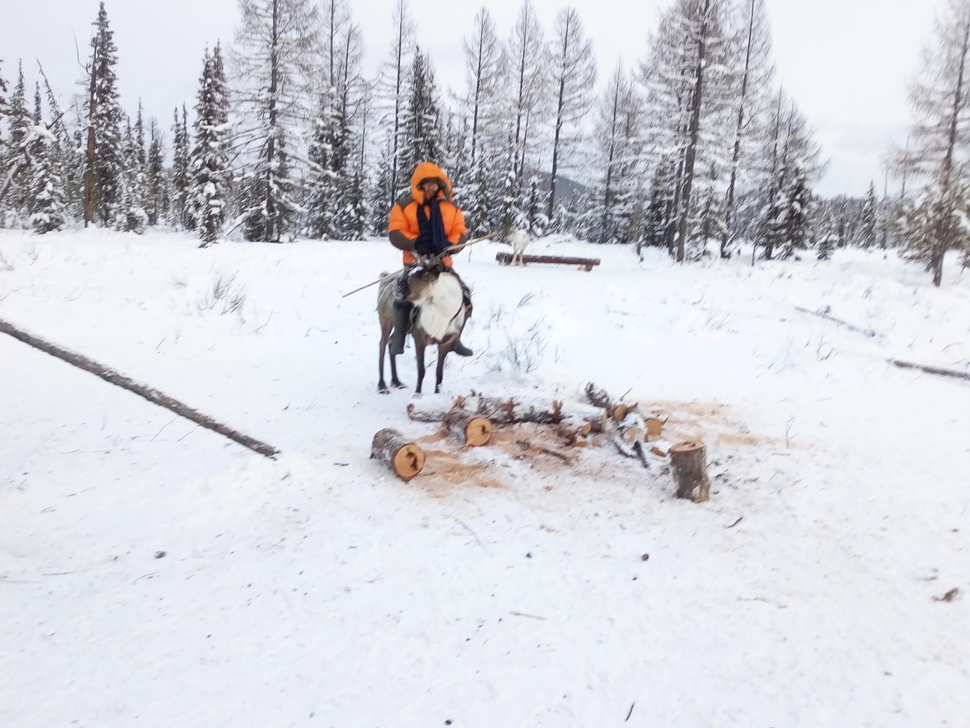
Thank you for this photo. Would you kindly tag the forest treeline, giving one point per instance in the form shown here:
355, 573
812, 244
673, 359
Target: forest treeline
695, 148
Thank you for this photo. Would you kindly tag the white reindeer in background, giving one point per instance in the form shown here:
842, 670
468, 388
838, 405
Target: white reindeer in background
520, 241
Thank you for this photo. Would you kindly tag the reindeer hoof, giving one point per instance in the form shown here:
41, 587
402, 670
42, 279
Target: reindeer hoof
382, 389
399, 385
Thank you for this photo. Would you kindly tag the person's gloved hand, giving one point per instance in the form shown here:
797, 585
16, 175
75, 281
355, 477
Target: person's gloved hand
424, 247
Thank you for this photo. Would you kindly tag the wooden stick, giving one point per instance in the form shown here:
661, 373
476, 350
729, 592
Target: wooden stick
152, 395
866, 332
452, 249
931, 370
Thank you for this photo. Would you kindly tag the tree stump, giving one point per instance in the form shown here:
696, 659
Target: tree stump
405, 458
469, 428
689, 463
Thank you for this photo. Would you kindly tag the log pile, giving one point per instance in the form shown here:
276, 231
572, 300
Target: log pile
471, 420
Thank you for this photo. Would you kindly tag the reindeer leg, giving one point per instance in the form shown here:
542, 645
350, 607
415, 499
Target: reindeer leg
381, 385
419, 351
439, 371
395, 382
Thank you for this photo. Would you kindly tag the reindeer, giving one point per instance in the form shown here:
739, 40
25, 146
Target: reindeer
519, 240
439, 318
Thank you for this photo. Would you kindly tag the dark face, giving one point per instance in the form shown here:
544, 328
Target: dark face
430, 188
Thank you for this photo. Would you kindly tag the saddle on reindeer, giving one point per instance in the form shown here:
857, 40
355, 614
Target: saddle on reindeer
424, 224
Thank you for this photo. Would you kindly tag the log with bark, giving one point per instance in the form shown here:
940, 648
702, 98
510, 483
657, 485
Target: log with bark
689, 463
469, 428
152, 395
403, 457
504, 410
586, 263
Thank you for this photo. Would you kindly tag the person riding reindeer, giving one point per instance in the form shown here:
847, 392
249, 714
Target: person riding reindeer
425, 222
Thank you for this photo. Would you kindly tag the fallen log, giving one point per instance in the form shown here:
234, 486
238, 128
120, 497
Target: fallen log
152, 395
468, 427
931, 370
829, 317
688, 461
404, 457
505, 410
585, 263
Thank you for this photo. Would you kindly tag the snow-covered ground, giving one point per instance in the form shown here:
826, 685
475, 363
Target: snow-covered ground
155, 573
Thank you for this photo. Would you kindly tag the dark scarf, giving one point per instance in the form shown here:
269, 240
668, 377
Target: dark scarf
431, 233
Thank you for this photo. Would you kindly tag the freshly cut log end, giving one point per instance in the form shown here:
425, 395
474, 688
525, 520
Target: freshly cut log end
654, 427
469, 428
689, 463
404, 457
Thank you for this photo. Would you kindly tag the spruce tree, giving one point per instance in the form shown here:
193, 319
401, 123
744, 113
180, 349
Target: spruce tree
156, 180
106, 149
182, 217
327, 157
15, 171
422, 134
209, 170
869, 221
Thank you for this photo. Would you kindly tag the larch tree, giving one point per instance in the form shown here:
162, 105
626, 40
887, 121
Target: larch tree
526, 76
392, 92
332, 138
210, 175
274, 56
618, 124
940, 140
753, 78
483, 108
572, 69
687, 82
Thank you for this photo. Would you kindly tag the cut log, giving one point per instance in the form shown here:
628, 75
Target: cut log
152, 395
572, 430
585, 263
601, 398
404, 457
469, 428
654, 427
689, 463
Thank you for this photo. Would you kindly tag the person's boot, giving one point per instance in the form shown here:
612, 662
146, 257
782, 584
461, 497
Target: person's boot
460, 349
402, 322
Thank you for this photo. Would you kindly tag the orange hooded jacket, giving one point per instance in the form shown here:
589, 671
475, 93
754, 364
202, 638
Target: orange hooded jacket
404, 214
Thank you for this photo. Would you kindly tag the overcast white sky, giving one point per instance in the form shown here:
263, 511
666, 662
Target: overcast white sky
846, 62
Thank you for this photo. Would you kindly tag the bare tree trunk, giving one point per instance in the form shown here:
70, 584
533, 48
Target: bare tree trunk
693, 135
91, 145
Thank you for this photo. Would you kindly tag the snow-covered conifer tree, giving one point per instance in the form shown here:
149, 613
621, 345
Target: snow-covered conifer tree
421, 134
182, 217
209, 171
104, 187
